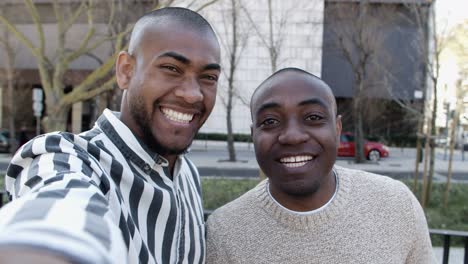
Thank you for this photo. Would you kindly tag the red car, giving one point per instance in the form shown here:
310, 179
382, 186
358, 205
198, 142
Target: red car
372, 150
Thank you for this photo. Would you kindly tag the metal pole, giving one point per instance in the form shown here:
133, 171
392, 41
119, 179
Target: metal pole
38, 125
446, 249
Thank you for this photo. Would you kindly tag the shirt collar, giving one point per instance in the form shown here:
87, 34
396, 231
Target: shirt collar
130, 146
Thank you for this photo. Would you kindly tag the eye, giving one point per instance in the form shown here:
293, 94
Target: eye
170, 68
314, 117
269, 122
210, 77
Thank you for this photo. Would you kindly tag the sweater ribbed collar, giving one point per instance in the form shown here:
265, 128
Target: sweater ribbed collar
308, 221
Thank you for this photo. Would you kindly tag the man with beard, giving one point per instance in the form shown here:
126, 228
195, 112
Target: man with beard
309, 210
123, 191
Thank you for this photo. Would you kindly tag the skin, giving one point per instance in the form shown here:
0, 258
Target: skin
176, 68
294, 114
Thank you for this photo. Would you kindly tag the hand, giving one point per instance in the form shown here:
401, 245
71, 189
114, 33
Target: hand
23, 255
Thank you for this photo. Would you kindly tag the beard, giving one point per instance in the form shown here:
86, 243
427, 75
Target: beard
143, 120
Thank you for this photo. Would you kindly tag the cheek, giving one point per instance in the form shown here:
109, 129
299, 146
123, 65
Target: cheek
262, 144
209, 100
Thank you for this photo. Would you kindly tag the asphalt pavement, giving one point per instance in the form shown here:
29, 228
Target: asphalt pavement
211, 159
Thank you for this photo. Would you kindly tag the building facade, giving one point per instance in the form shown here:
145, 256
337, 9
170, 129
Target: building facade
271, 34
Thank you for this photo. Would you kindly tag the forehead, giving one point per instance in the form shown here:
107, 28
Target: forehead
175, 36
291, 89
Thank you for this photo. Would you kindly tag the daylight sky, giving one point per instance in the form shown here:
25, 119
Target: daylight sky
451, 12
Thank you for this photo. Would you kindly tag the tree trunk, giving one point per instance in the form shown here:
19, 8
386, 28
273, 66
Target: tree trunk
418, 153
358, 133
10, 74
230, 136
456, 118
230, 140
426, 158
232, 69
432, 146
56, 119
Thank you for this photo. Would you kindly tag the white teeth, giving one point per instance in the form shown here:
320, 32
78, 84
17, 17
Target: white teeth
296, 161
177, 116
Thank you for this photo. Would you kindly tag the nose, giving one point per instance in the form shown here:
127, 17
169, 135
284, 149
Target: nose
190, 91
293, 134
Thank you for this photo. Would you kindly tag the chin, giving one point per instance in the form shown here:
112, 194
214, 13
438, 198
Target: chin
300, 189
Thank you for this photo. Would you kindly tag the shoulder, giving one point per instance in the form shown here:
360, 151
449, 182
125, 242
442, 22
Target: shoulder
372, 191
55, 142
371, 183
50, 156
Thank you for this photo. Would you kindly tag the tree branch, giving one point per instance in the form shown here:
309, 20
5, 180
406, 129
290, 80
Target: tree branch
83, 96
32, 10
205, 5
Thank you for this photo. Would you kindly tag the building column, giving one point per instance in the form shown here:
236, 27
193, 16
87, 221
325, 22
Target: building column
77, 110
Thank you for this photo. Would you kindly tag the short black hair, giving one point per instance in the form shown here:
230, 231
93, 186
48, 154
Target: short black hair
290, 69
186, 17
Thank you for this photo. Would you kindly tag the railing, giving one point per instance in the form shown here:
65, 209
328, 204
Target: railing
447, 234
2, 197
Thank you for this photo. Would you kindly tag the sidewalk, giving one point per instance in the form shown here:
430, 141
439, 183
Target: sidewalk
211, 155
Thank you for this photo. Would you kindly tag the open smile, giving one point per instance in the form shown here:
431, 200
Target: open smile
296, 161
177, 116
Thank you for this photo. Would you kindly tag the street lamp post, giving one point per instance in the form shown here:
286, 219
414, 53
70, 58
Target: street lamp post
38, 97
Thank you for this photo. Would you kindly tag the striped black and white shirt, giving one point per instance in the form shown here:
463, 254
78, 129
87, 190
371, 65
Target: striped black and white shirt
103, 197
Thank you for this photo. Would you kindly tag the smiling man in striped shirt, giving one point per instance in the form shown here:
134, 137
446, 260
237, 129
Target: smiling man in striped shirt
123, 192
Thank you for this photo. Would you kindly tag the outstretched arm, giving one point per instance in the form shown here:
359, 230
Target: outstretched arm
59, 205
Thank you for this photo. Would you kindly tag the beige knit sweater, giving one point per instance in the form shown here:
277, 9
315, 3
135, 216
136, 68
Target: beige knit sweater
372, 219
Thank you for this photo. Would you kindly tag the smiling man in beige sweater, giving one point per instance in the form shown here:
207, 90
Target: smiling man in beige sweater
309, 210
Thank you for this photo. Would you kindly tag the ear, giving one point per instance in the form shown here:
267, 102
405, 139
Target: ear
338, 127
124, 67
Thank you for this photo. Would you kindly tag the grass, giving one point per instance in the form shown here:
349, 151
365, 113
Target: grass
217, 192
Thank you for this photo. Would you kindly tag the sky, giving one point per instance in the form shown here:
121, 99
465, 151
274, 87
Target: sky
448, 14
451, 12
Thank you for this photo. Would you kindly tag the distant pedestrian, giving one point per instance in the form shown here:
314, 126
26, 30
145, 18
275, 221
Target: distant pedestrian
309, 210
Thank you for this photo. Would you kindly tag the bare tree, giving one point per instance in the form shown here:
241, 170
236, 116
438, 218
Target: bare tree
9, 64
234, 41
425, 21
359, 41
53, 68
458, 45
273, 39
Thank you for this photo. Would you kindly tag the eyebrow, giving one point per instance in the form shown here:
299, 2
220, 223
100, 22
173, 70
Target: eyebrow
181, 58
266, 106
212, 66
312, 101
176, 56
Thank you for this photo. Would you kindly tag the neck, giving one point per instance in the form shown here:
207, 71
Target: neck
171, 160
306, 202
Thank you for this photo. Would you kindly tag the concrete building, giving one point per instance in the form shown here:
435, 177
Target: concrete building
393, 37
300, 36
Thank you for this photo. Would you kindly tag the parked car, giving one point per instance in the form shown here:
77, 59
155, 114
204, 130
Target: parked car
372, 150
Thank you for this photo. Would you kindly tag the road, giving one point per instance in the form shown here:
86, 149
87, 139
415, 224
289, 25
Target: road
210, 158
